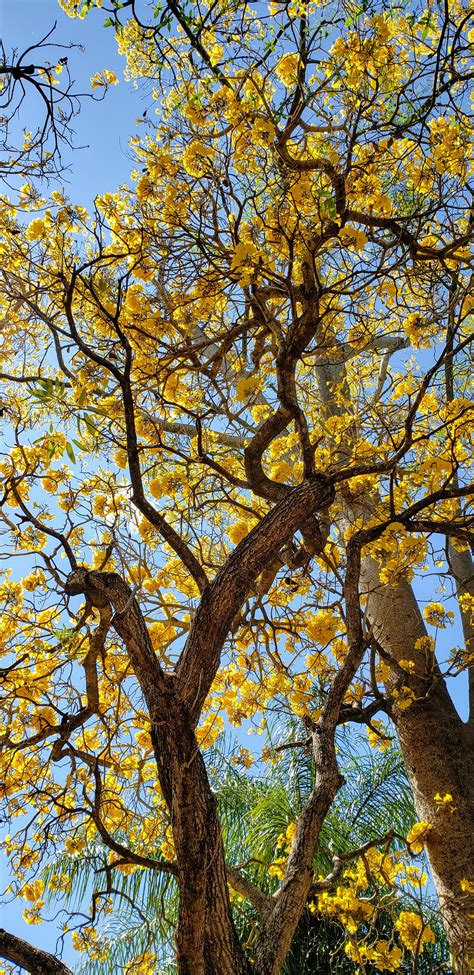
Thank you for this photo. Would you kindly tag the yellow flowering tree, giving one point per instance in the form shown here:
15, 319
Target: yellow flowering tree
236, 472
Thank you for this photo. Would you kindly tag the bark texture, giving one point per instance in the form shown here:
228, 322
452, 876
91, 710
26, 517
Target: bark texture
32, 959
437, 750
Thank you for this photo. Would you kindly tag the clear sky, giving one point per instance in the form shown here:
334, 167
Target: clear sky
103, 129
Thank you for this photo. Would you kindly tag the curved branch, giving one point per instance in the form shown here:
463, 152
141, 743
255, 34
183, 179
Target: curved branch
34, 960
222, 599
261, 901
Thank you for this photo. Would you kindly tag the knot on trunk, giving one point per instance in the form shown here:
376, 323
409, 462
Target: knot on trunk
81, 581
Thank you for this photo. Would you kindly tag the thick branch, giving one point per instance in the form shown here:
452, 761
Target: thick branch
220, 602
107, 588
32, 959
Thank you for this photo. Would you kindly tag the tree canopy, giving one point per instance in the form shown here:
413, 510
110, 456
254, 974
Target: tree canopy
235, 490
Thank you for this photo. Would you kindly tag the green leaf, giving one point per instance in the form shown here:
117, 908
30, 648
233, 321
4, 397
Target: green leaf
70, 452
89, 424
426, 28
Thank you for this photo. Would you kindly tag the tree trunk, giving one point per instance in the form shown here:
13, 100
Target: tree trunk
435, 745
462, 570
206, 939
207, 943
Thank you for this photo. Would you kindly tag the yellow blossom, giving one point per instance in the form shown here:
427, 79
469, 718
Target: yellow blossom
102, 79
417, 835
37, 230
197, 158
435, 614
277, 868
247, 387
413, 931
384, 957
287, 69
33, 891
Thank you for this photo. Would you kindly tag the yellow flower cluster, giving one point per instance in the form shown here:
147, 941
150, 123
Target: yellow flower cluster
323, 626
243, 757
367, 59
59, 881
345, 905
89, 941
398, 552
277, 868
167, 847
38, 229
197, 158
103, 79
437, 615
445, 801
377, 735
417, 835
244, 260
384, 957
375, 865
353, 237
414, 933
284, 842
403, 697
144, 964
33, 891
420, 331
447, 147
287, 70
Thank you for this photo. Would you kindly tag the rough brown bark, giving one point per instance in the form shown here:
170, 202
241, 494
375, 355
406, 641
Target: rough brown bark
280, 926
438, 756
32, 959
207, 943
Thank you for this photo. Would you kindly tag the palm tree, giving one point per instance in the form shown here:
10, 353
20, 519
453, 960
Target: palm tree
255, 810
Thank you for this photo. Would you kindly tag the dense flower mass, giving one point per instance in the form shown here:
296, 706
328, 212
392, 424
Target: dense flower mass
413, 932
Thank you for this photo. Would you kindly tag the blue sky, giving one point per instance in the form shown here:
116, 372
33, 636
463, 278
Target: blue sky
103, 130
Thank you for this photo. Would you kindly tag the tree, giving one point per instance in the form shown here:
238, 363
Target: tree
237, 406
